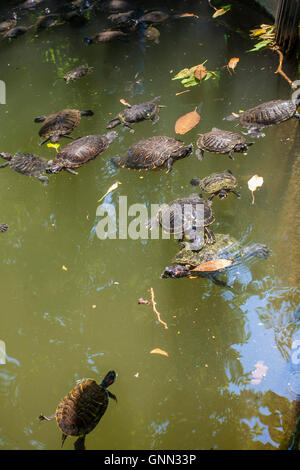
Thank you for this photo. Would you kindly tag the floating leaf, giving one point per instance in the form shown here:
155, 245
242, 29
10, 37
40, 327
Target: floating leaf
221, 11
125, 103
64, 268
232, 63
260, 45
182, 74
159, 351
53, 146
184, 15
254, 183
200, 72
214, 265
186, 122
110, 189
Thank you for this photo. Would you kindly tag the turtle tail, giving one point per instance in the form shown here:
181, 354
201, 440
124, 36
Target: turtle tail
108, 379
113, 123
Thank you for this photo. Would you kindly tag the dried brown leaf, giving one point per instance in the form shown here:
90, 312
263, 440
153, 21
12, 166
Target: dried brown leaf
200, 72
159, 351
214, 265
186, 122
125, 103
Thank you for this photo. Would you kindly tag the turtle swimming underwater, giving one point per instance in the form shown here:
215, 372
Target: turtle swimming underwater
137, 113
60, 124
154, 152
217, 184
106, 36
219, 141
27, 164
80, 151
81, 410
267, 114
212, 259
78, 72
184, 219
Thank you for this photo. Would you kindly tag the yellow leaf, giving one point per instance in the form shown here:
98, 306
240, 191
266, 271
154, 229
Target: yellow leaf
159, 351
110, 189
254, 183
64, 268
53, 146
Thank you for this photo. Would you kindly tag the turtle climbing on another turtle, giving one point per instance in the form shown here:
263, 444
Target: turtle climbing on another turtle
186, 218
267, 114
80, 151
219, 141
218, 184
137, 113
27, 164
78, 72
213, 259
154, 152
81, 410
60, 124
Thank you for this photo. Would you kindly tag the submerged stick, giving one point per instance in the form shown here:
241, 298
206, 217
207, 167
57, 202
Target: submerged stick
279, 68
155, 310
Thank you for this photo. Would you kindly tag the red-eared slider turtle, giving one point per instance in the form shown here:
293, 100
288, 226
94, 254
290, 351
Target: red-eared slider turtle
106, 36
186, 219
137, 113
219, 141
267, 114
27, 164
60, 124
78, 72
211, 259
217, 184
81, 410
154, 152
3, 227
80, 151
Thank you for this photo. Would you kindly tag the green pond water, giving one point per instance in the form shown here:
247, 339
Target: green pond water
69, 301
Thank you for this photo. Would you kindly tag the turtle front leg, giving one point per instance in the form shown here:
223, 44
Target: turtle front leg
47, 418
80, 443
199, 154
43, 179
297, 115
71, 171
236, 193
230, 154
40, 119
4, 165
209, 236
170, 164
155, 118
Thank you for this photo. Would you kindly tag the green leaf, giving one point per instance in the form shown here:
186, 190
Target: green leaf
260, 45
182, 74
192, 81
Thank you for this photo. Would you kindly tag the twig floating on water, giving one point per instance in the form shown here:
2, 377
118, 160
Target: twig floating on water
156, 311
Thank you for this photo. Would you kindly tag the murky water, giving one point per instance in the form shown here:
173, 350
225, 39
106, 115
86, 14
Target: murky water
62, 324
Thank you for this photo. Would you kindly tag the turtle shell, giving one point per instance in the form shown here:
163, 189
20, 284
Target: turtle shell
139, 112
218, 181
267, 114
81, 410
225, 247
28, 164
151, 153
81, 151
175, 218
61, 123
219, 141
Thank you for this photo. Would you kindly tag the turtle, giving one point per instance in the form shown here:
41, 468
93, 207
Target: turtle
267, 114
16, 31
80, 151
220, 141
106, 36
7, 25
81, 410
217, 184
3, 227
184, 219
27, 164
156, 16
154, 152
211, 259
124, 20
78, 72
137, 113
60, 124
47, 21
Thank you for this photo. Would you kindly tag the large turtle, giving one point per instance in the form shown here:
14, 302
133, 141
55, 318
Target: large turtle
212, 259
217, 184
267, 114
60, 124
80, 151
186, 218
27, 164
78, 72
81, 410
137, 113
154, 152
220, 141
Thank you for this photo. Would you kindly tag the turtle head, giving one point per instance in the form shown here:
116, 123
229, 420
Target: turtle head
243, 147
53, 168
176, 271
111, 136
108, 379
6, 156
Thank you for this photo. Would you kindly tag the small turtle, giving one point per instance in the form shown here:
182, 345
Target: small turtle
7, 25
124, 20
47, 21
3, 227
210, 260
106, 36
80, 151
156, 16
219, 141
78, 72
81, 410
267, 114
154, 152
137, 113
60, 124
27, 164
217, 184
184, 219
